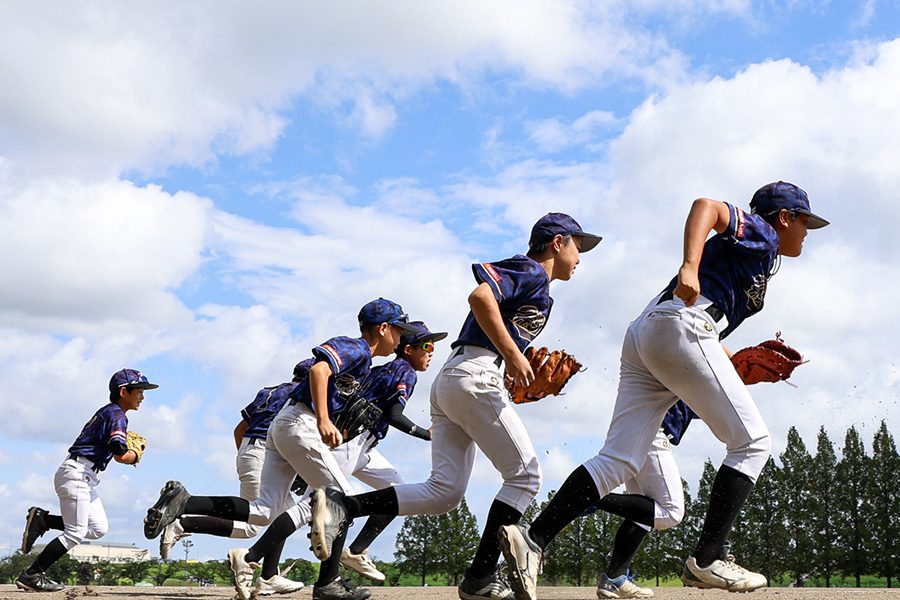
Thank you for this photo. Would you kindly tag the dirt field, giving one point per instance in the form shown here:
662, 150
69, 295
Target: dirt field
9, 592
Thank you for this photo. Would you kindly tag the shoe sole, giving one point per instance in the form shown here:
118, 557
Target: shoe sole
161, 514
695, 583
28, 588
515, 578
241, 593
32, 513
319, 506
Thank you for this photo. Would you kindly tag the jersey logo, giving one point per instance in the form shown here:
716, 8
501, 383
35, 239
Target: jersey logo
333, 354
492, 273
757, 293
529, 322
346, 385
741, 223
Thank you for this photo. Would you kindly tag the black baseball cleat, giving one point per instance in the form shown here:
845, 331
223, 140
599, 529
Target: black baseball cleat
35, 527
339, 590
37, 582
169, 507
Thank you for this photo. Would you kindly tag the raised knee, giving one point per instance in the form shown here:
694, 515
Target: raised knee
668, 517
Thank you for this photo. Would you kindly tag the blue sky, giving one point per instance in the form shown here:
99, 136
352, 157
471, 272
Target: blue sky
207, 191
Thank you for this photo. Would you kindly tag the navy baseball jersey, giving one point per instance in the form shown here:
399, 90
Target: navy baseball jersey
521, 287
676, 421
268, 402
736, 266
386, 385
265, 406
350, 360
106, 429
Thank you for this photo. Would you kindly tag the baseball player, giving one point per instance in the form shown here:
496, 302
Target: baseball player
102, 439
470, 407
300, 442
250, 438
654, 500
673, 350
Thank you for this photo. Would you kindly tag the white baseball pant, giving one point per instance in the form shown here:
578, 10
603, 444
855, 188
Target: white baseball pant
82, 510
673, 351
469, 409
660, 480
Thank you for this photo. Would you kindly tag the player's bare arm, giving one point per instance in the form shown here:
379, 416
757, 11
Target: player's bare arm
318, 387
129, 458
705, 216
487, 313
239, 432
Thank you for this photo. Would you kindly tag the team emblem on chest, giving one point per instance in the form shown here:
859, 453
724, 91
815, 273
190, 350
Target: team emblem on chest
529, 321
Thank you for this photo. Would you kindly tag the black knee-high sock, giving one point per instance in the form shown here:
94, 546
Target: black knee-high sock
729, 493
633, 507
54, 522
379, 502
577, 494
271, 560
226, 507
51, 553
208, 525
330, 569
488, 553
373, 527
273, 537
628, 540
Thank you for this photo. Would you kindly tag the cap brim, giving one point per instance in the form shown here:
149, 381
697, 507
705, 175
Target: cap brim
142, 386
815, 221
435, 336
405, 326
589, 241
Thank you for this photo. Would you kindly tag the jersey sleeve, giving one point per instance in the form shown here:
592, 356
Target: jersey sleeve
342, 354
749, 233
509, 278
118, 430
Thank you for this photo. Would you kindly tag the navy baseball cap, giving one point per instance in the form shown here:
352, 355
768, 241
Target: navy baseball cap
381, 311
421, 335
553, 224
130, 378
771, 198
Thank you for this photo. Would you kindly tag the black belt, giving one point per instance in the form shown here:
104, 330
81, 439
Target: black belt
94, 467
497, 361
714, 311
255, 441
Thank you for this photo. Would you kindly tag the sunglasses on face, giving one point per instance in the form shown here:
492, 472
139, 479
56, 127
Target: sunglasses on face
426, 346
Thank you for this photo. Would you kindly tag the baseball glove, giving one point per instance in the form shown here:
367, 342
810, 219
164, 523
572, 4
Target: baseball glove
137, 442
771, 361
552, 370
357, 415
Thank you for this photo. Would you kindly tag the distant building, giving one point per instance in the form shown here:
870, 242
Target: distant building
108, 551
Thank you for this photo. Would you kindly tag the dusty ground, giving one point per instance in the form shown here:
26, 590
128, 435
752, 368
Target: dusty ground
9, 592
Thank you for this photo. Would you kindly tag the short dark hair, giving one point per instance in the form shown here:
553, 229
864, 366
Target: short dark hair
542, 247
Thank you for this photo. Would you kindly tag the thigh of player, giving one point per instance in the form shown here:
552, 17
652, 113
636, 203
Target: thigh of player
660, 479
249, 463
376, 471
296, 437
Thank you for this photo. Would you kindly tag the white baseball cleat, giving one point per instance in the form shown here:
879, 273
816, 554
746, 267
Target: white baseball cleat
328, 520
362, 564
170, 536
723, 575
523, 557
621, 587
243, 572
277, 584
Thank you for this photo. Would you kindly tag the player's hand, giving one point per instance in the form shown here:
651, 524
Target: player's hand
519, 369
688, 288
331, 435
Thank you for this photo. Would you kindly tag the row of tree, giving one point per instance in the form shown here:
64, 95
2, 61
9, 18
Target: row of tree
814, 520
